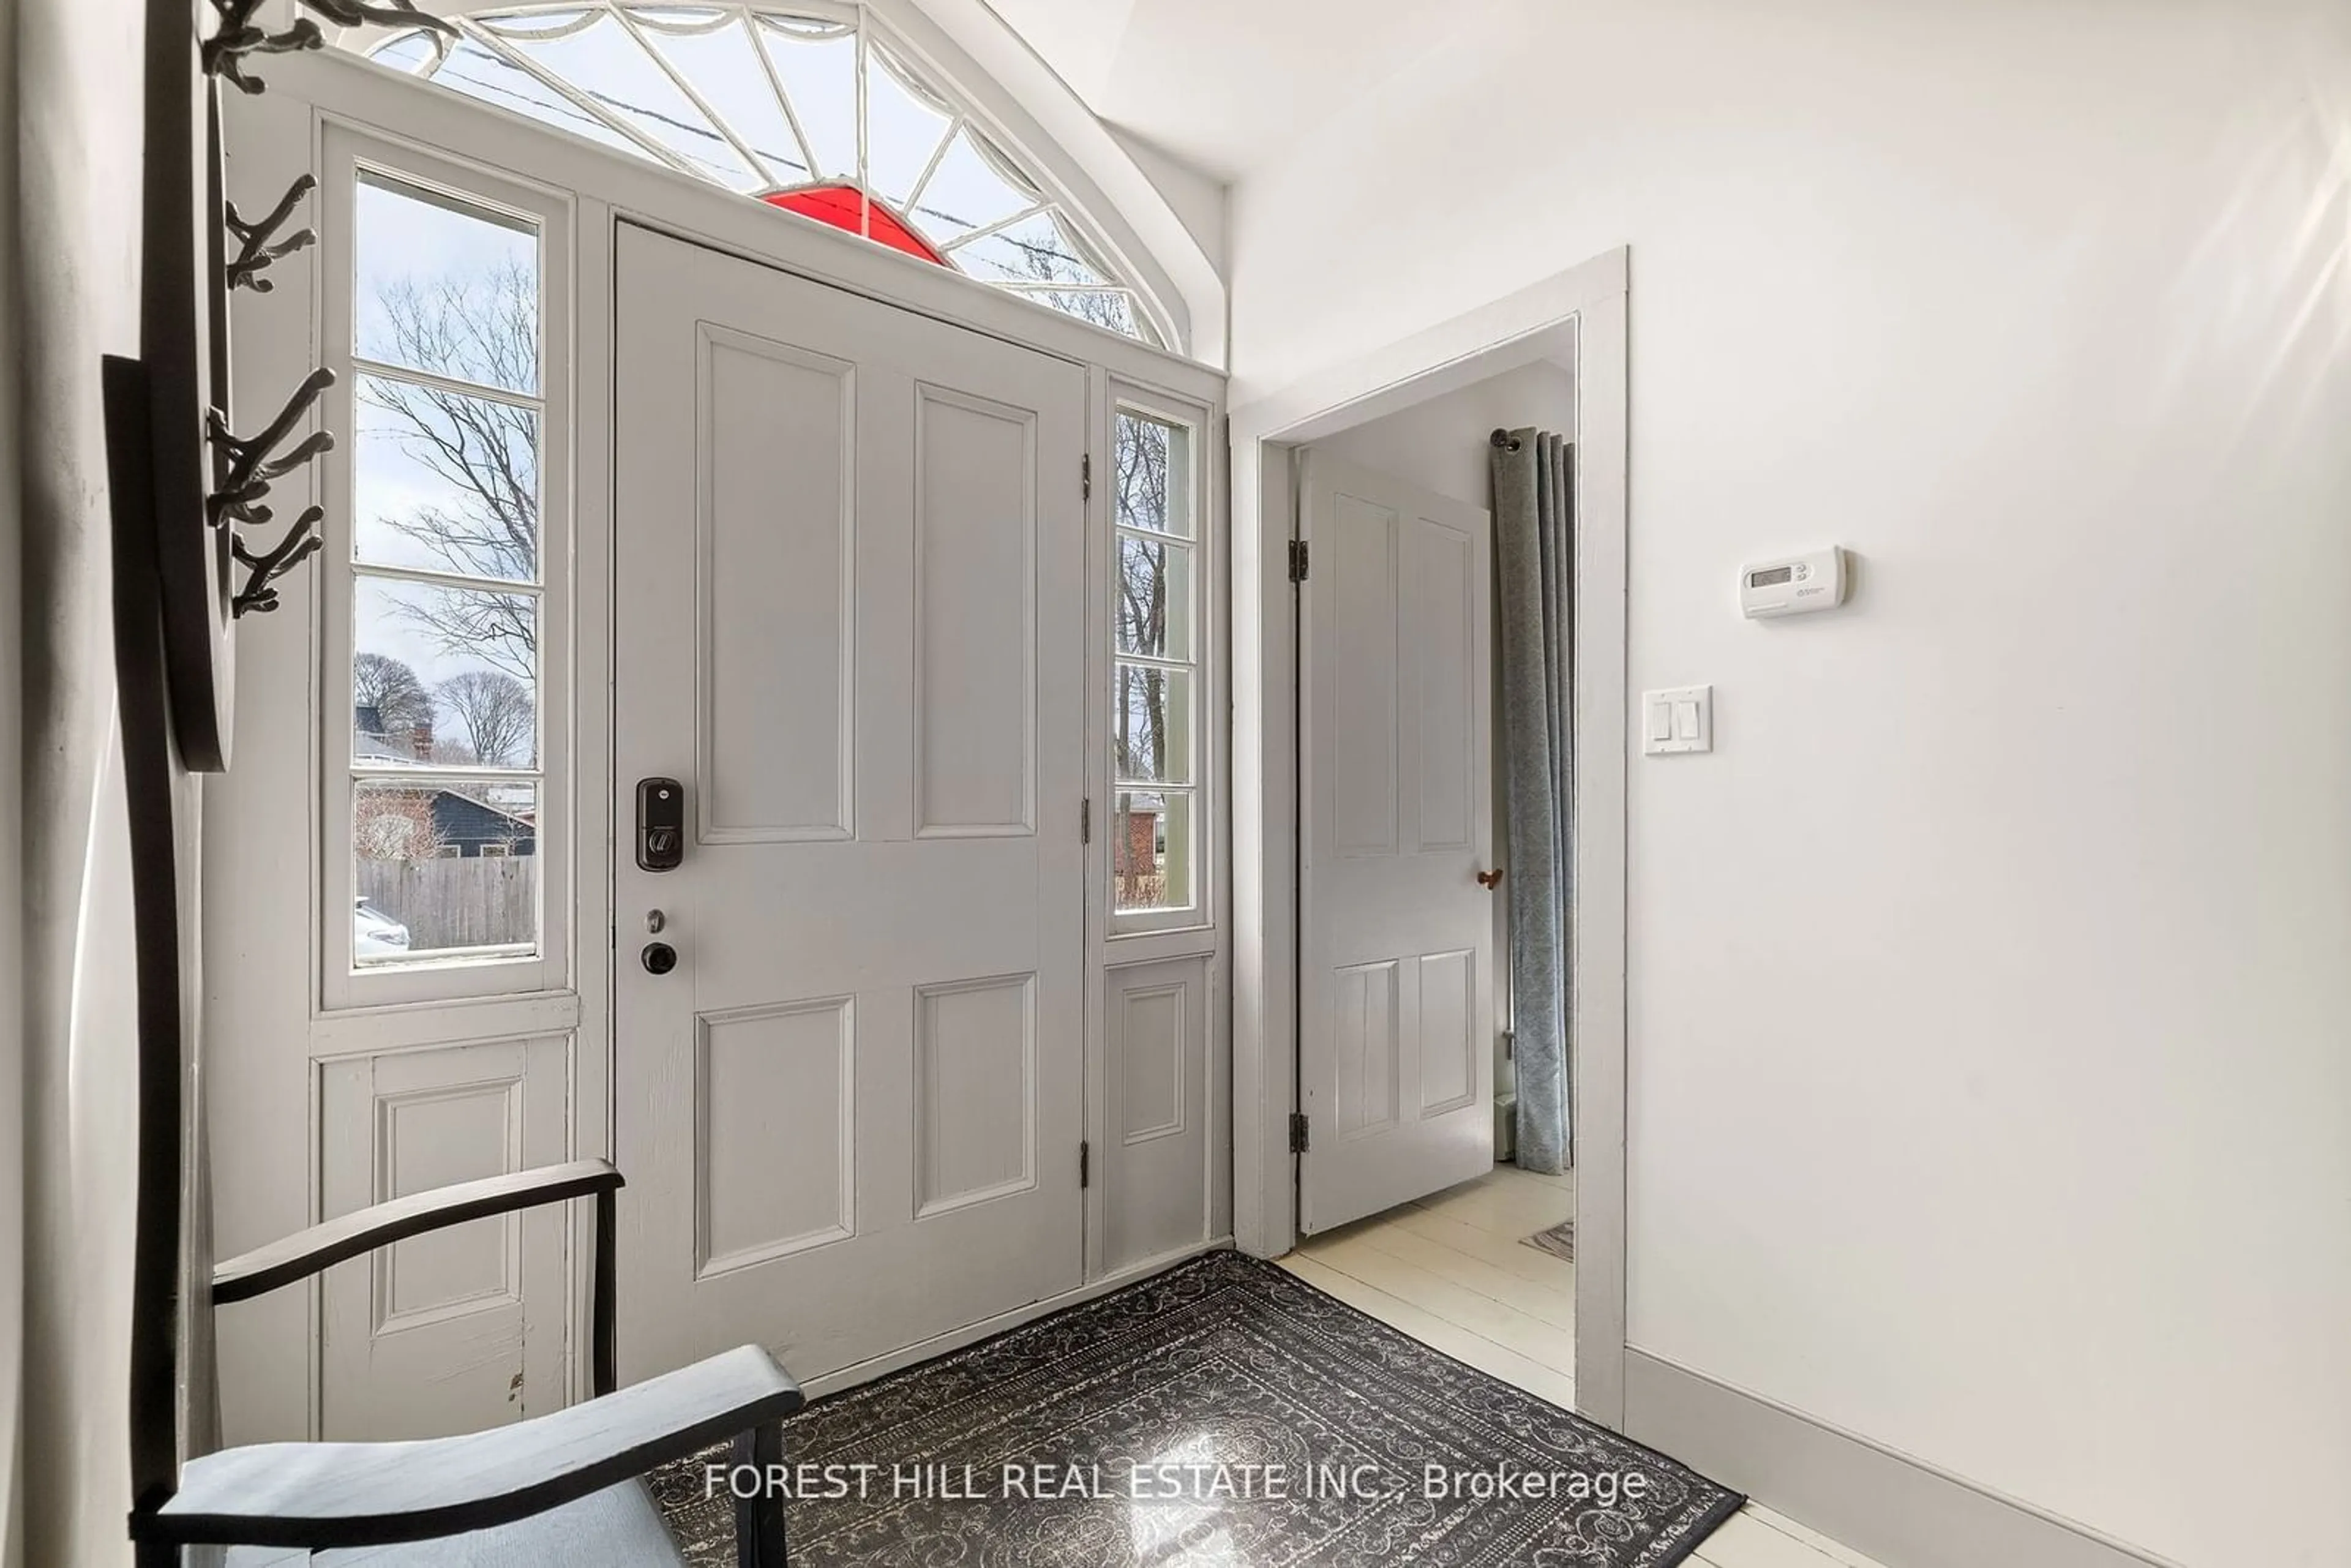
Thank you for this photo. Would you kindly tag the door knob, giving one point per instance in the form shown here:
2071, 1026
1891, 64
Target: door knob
1490, 879
660, 958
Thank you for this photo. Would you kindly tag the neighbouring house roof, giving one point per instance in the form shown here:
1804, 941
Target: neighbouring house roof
476, 820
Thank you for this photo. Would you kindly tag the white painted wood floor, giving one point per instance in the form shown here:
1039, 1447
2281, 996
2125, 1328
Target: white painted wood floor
1452, 1271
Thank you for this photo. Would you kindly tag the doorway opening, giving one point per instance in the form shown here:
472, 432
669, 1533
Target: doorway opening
1377, 1036
1425, 673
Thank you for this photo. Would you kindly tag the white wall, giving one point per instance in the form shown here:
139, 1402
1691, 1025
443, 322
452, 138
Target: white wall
1443, 444
1196, 200
1989, 990
79, 196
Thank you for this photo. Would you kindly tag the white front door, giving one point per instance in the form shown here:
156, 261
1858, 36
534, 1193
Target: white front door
851, 609
1396, 1027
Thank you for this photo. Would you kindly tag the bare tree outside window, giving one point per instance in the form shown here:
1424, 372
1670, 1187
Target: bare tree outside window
446, 578
388, 688
395, 825
1082, 293
482, 328
500, 720
1152, 612
1140, 742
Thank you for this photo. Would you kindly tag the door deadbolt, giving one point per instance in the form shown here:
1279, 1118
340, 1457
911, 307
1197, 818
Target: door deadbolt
660, 824
660, 958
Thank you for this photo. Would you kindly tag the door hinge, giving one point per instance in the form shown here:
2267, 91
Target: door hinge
1298, 1131
1086, 474
1085, 1165
1086, 820
1297, 560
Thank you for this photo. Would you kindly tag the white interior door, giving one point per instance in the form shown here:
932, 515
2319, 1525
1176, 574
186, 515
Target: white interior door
850, 590
1397, 1065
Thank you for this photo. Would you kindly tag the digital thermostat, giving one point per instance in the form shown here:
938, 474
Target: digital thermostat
1794, 586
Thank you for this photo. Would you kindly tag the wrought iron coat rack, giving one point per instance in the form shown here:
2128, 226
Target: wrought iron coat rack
208, 484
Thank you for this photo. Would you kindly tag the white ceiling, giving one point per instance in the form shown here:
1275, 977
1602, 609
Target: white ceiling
1229, 84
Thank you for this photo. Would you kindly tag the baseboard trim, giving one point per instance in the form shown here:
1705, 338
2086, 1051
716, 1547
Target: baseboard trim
972, 1333
1901, 1511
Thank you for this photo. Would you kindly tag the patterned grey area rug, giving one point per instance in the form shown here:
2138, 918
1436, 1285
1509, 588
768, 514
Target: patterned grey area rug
1559, 1240
1222, 1413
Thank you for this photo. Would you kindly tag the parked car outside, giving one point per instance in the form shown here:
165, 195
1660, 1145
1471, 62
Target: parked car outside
374, 934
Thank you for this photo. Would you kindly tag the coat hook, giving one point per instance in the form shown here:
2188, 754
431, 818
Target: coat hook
301, 542
252, 465
237, 37
258, 252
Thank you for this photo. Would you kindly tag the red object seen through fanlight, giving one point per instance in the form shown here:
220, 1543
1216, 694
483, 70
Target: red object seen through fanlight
847, 207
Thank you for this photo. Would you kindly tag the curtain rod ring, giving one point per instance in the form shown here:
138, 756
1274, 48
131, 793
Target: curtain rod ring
1504, 440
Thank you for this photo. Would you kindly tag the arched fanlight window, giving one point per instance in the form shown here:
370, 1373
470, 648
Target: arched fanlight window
817, 115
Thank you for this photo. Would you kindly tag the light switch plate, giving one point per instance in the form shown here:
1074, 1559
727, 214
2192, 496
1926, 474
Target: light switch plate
1678, 719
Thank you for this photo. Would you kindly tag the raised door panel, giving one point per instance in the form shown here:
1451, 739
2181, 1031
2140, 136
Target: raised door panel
432, 1137
975, 616
1152, 1163
1449, 1034
471, 1296
1367, 1045
975, 1093
1152, 1031
774, 1133
776, 428
1441, 635
1361, 664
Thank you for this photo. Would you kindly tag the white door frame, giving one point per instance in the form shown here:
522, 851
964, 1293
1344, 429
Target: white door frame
283, 133
1588, 301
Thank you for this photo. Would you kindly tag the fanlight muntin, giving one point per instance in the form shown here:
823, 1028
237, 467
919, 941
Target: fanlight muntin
814, 109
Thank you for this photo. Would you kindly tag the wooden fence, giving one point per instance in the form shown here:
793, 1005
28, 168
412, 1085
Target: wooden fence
470, 902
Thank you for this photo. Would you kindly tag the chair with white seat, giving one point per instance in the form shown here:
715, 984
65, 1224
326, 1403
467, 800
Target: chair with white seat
561, 1488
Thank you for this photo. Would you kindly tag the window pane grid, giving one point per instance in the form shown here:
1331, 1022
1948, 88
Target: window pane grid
988, 231
444, 872
460, 302
448, 582
1151, 724
1018, 287
1152, 856
444, 674
425, 774
768, 103
1147, 662
616, 128
425, 380
424, 577
1156, 660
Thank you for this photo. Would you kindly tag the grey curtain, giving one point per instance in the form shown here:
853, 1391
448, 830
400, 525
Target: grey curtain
1534, 602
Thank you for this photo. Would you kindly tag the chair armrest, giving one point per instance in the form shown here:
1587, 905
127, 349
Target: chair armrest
305, 1252
324, 1495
